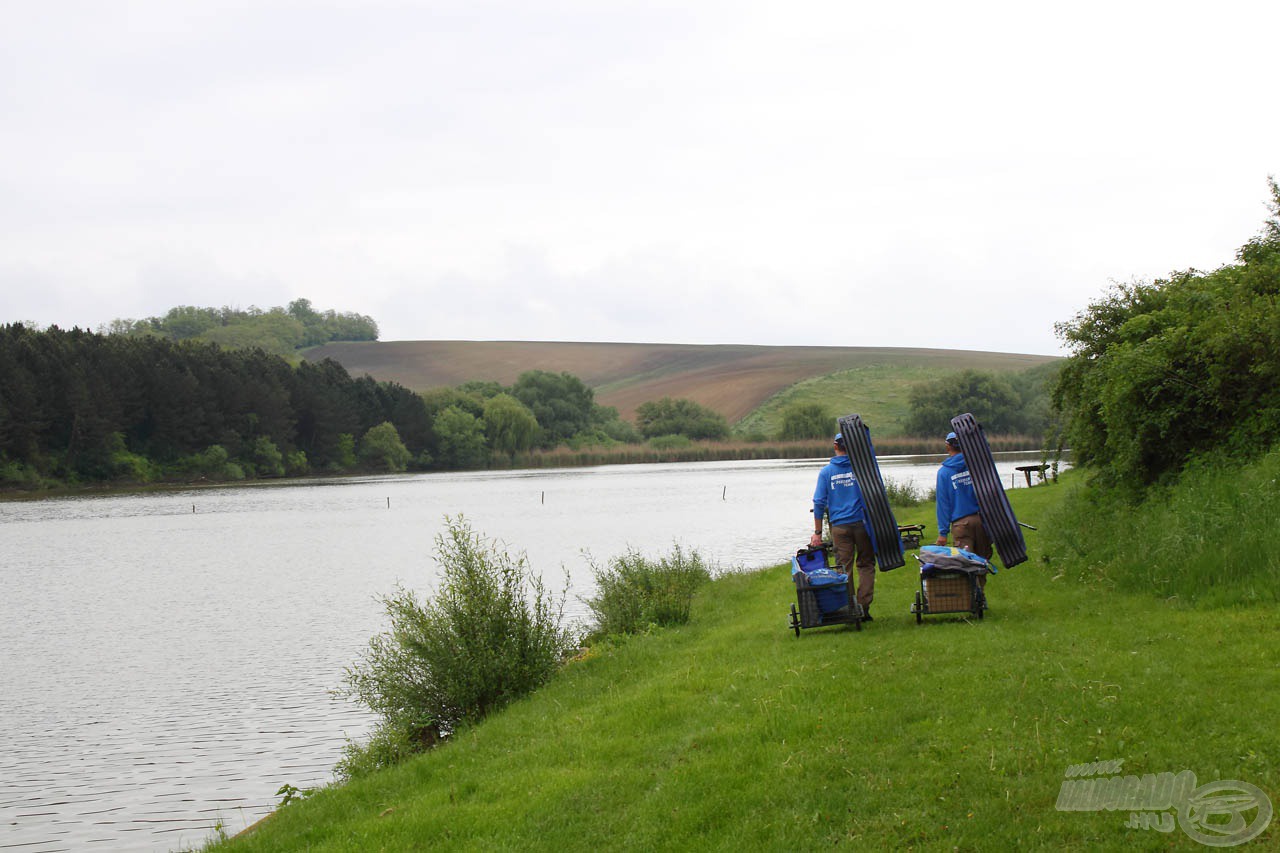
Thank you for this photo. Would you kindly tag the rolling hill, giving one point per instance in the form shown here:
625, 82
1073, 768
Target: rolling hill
735, 380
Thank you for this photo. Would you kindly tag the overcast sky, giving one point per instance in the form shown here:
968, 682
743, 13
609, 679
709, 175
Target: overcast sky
915, 174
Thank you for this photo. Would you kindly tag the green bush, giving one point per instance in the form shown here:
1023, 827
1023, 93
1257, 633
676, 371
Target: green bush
121, 464
491, 634
387, 746
670, 442
295, 463
590, 438
806, 420
680, 417
634, 592
213, 463
382, 449
1164, 372
903, 494
266, 458
13, 473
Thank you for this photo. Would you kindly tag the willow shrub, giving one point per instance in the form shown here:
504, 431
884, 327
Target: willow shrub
904, 493
491, 634
634, 592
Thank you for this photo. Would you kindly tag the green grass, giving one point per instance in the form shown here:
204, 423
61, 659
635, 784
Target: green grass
879, 393
731, 733
1205, 540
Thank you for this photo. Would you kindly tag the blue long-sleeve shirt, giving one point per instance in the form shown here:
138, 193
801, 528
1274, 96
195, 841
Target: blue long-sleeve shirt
955, 492
838, 493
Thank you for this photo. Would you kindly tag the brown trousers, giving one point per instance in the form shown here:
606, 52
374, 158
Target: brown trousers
849, 541
969, 534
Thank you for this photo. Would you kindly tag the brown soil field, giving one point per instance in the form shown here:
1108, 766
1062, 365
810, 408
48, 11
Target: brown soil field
729, 378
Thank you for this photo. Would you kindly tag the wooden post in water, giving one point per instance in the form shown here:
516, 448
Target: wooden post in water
544, 498
388, 502
723, 493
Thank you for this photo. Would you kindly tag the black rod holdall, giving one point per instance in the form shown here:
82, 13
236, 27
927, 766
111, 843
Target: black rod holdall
993, 504
881, 524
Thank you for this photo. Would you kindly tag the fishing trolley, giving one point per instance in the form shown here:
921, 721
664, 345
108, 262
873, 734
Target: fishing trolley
822, 594
949, 582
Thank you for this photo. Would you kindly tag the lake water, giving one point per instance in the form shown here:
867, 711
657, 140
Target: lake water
168, 658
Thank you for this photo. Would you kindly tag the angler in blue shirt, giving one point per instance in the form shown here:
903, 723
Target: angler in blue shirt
958, 505
839, 497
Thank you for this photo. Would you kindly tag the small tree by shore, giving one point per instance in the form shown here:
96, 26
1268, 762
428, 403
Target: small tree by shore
491, 634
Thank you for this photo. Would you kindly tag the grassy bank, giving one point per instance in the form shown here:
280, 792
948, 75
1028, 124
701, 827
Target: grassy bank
1205, 540
731, 733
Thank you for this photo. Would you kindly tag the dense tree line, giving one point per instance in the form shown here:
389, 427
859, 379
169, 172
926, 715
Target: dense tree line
76, 405
79, 406
1166, 372
276, 330
1005, 404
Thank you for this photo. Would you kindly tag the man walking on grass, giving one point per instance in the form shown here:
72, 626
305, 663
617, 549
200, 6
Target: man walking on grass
958, 506
839, 496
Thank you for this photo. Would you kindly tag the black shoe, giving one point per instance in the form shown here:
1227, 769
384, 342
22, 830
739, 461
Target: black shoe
866, 615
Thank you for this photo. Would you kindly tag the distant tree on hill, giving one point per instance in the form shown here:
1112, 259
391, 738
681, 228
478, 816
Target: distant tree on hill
806, 420
509, 425
561, 402
273, 331
461, 440
990, 398
482, 388
605, 421
276, 330
670, 416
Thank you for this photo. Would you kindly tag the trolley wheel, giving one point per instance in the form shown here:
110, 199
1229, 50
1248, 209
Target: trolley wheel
919, 608
795, 620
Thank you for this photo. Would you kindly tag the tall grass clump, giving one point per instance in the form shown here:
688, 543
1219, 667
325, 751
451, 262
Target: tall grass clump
491, 634
634, 591
904, 493
1205, 540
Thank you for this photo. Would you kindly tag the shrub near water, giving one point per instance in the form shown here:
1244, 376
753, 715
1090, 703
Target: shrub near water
491, 634
904, 493
634, 592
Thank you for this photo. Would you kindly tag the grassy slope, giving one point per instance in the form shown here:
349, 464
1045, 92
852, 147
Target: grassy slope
732, 379
731, 733
877, 392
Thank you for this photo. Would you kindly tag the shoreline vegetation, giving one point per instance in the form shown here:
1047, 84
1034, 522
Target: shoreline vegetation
559, 457
742, 450
146, 406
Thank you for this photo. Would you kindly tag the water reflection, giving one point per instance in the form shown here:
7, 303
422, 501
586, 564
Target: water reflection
169, 657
